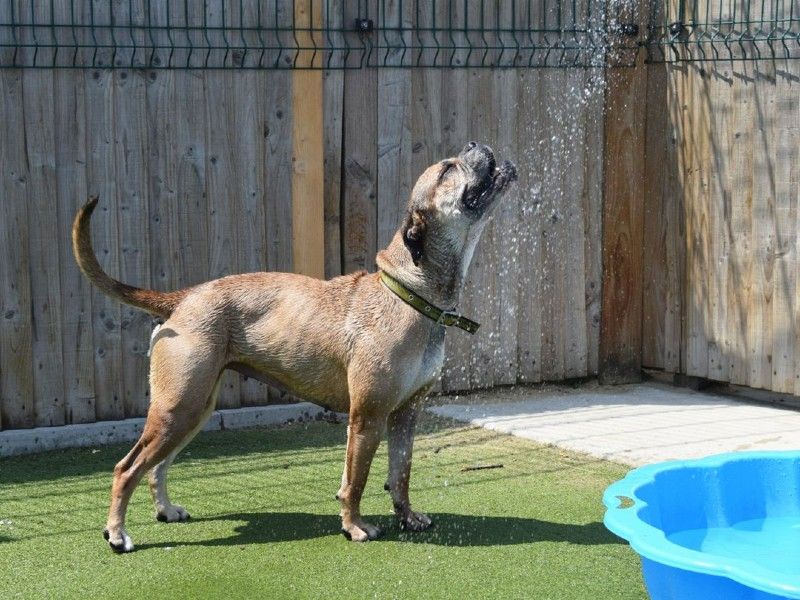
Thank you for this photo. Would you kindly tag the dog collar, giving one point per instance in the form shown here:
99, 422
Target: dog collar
448, 318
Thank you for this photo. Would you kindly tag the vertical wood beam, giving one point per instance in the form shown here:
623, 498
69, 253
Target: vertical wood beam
623, 218
308, 171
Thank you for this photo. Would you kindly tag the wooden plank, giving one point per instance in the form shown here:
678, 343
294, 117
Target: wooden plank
784, 299
101, 181
333, 96
686, 159
575, 349
741, 149
40, 151
161, 116
76, 295
593, 214
776, 112
131, 147
718, 169
551, 220
695, 351
762, 265
359, 162
675, 233
506, 268
530, 300
278, 170
191, 253
16, 379
793, 130
131, 150
621, 314
308, 172
654, 252
333, 118
394, 132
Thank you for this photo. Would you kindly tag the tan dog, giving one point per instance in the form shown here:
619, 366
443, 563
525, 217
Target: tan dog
349, 344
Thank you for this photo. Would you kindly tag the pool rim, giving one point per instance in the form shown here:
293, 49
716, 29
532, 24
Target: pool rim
652, 543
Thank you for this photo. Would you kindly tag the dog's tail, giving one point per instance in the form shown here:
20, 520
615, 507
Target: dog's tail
158, 303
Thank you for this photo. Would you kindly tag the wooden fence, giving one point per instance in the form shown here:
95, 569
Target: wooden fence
673, 187
721, 220
195, 173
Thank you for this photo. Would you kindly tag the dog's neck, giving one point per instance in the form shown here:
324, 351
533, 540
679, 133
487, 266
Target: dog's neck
437, 278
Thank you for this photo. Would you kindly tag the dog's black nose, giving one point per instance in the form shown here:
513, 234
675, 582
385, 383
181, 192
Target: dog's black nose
469, 146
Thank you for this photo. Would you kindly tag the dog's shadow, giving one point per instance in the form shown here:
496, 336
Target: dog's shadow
449, 530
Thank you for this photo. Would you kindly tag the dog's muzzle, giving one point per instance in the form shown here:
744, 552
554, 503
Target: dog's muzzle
492, 180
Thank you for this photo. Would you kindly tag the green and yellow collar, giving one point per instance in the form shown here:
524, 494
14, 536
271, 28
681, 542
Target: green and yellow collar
447, 318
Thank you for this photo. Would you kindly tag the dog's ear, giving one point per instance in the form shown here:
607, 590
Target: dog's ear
414, 234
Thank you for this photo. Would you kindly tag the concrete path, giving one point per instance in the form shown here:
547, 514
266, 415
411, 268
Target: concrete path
633, 424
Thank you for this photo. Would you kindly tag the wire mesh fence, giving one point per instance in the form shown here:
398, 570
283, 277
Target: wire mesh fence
690, 30
302, 34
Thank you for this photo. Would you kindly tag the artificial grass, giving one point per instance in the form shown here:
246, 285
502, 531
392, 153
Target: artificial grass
265, 523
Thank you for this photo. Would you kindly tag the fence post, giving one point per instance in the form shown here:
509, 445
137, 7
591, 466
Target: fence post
623, 215
308, 227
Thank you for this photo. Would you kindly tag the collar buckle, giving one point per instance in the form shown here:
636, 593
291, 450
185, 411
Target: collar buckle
448, 318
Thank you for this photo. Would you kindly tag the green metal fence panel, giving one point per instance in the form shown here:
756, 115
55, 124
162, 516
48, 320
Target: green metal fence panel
734, 30
274, 34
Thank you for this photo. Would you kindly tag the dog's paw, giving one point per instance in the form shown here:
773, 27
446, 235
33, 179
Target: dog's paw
172, 514
414, 521
361, 531
119, 540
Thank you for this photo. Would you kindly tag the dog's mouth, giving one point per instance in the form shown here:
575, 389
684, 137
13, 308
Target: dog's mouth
497, 179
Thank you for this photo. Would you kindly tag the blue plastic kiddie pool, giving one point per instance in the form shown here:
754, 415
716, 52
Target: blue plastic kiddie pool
725, 527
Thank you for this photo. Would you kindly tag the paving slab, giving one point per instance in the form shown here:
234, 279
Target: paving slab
631, 424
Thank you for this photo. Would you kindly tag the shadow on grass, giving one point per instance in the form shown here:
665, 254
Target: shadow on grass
210, 445
449, 530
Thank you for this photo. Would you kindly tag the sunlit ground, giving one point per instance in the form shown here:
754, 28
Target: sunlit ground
265, 523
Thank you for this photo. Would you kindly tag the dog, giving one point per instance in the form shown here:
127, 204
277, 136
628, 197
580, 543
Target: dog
369, 344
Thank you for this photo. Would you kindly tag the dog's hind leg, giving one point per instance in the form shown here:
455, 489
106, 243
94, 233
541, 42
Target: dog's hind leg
183, 375
155, 444
166, 511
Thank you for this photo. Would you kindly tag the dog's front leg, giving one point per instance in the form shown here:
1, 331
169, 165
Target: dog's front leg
401, 440
363, 437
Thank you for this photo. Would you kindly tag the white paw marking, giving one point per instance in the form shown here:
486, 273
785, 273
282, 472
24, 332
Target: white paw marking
119, 540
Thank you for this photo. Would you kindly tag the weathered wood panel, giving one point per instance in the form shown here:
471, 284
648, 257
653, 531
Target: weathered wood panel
720, 295
16, 375
621, 316
195, 174
70, 133
194, 171
131, 150
530, 245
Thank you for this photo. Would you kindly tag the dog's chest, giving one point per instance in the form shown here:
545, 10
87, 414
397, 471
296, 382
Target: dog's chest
430, 365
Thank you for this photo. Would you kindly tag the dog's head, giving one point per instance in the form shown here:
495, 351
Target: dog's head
451, 203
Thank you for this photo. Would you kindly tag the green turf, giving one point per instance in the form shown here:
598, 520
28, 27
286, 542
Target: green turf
265, 523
